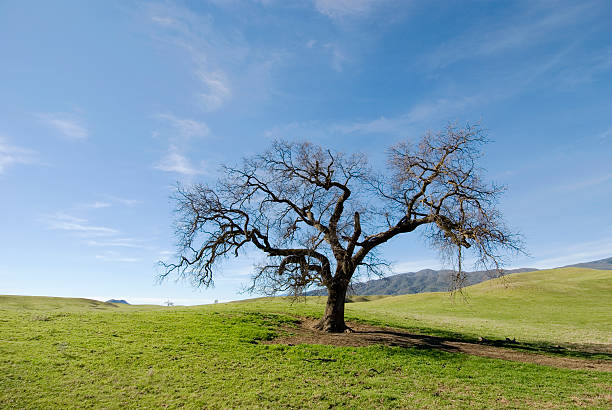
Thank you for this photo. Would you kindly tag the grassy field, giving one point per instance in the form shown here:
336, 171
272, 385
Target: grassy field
57, 353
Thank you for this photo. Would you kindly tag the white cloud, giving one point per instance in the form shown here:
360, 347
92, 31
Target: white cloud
97, 205
218, 90
164, 21
68, 125
65, 222
11, 155
112, 256
345, 8
175, 162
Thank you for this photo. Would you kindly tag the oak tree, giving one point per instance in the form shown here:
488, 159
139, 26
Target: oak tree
319, 215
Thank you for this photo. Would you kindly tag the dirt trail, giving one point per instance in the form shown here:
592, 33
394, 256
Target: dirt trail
366, 335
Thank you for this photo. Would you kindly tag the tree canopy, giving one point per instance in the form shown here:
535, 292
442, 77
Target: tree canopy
319, 215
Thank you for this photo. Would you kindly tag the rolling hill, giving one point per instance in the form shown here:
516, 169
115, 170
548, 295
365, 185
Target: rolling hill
562, 305
75, 353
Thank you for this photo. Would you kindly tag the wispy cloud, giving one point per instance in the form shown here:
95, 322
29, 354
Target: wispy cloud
440, 109
607, 134
587, 68
581, 252
420, 115
96, 205
176, 162
225, 62
116, 243
112, 256
185, 127
11, 155
80, 226
217, 89
338, 57
68, 125
584, 183
345, 8
206, 46
527, 29
123, 201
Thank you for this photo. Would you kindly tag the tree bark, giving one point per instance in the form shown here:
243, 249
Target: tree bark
333, 319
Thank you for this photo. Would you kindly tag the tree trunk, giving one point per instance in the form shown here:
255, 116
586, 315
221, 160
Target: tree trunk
333, 319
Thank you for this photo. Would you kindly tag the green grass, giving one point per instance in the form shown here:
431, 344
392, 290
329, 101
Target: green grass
561, 306
57, 353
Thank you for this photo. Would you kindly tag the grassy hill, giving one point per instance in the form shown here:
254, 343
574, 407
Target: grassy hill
67, 353
567, 305
557, 306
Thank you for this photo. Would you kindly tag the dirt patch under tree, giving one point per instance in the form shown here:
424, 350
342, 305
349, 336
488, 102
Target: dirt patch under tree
367, 335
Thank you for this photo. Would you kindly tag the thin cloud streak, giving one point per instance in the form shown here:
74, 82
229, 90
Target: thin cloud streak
65, 222
203, 44
584, 252
124, 201
12, 155
337, 9
96, 205
218, 89
116, 257
185, 127
116, 243
422, 112
584, 183
521, 32
67, 125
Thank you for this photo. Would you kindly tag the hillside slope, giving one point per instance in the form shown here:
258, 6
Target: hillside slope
48, 303
565, 305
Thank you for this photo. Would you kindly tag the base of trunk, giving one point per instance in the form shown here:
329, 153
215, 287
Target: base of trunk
333, 318
331, 325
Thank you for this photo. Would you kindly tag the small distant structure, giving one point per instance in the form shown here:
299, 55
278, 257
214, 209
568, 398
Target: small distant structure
117, 301
216, 300
169, 303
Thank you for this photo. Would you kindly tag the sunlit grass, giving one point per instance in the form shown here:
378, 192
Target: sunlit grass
57, 353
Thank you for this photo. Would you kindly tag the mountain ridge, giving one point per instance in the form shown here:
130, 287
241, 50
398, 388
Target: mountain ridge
430, 280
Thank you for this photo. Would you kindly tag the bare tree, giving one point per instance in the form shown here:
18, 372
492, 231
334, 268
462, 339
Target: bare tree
319, 215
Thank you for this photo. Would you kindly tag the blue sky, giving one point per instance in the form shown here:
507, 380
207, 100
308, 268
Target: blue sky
104, 106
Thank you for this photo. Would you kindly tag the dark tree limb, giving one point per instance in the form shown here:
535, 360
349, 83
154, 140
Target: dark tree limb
320, 215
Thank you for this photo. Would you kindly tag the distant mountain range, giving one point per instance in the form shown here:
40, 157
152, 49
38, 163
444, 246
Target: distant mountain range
429, 280
426, 280
603, 264
117, 301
